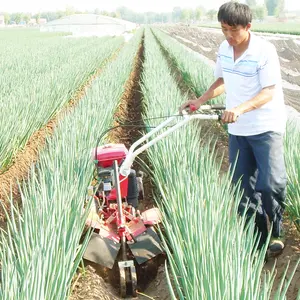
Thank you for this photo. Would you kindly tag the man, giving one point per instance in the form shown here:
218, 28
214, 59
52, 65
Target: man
248, 69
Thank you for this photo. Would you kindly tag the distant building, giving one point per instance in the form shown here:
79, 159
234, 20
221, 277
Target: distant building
89, 25
42, 21
2, 21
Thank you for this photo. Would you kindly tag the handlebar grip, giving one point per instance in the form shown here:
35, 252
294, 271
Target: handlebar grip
213, 106
193, 107
218, 106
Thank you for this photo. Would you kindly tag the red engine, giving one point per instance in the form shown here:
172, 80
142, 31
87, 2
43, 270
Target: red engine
104, 157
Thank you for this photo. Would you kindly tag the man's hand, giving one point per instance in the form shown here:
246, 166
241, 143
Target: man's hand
230, 115
196, 102
216, 89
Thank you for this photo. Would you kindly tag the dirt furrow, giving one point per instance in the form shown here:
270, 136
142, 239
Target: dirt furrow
151, 275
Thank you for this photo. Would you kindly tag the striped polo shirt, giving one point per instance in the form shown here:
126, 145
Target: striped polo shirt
258, 67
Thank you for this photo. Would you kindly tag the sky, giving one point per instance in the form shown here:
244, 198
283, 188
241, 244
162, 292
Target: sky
35, 6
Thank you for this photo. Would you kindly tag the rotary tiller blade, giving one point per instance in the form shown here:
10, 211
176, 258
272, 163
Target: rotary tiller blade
102, 250
146, 246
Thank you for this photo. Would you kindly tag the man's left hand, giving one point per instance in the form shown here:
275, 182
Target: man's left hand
230, 115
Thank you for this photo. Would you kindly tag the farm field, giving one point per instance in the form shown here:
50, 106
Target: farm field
48, 73
278, 27
272, 27
206, 40
110, 83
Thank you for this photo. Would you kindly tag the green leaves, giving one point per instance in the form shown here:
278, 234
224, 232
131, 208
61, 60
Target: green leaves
40, 251
212, 253
39, 75
292, 154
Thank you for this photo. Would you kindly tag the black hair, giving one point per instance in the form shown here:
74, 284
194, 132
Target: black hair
234, 13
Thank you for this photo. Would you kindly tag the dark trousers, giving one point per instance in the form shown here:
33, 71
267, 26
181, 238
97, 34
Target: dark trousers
258, 161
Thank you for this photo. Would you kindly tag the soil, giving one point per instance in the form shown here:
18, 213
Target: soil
291, 255
92, 286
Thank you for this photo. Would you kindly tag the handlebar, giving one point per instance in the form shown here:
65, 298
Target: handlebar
132, 153
208, 107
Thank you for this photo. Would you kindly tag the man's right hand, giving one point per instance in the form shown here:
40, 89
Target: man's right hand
186, 106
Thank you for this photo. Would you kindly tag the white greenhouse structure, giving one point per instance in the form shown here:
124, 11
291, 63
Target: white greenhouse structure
89, 25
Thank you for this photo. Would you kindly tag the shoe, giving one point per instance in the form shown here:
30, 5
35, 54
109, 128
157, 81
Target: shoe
276, 246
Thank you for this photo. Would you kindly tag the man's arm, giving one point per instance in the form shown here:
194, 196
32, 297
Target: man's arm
216, 89
263, 97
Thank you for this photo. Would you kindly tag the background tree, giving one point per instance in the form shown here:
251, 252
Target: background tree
185, 15
18, 18
192, 14
118, 15
6, 18
199, 13
279, 8
105, 13
271, 6
212, 14
259, 12
176, 14
251, 3
37, 17
52, 15
26, 18
124, 13
70, 10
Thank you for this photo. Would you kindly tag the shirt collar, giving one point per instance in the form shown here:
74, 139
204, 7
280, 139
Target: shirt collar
251, 46
252, 43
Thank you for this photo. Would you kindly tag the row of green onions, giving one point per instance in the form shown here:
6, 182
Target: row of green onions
211, 255
39, 76
40, 251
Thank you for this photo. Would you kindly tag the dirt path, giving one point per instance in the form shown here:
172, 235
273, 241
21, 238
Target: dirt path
290, 254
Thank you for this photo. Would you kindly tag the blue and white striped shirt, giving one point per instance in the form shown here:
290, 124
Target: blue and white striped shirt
258, 67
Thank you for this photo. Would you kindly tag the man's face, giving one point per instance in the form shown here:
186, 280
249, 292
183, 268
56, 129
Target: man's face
235, 35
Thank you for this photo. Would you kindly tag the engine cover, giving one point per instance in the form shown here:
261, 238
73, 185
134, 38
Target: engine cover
105, 155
